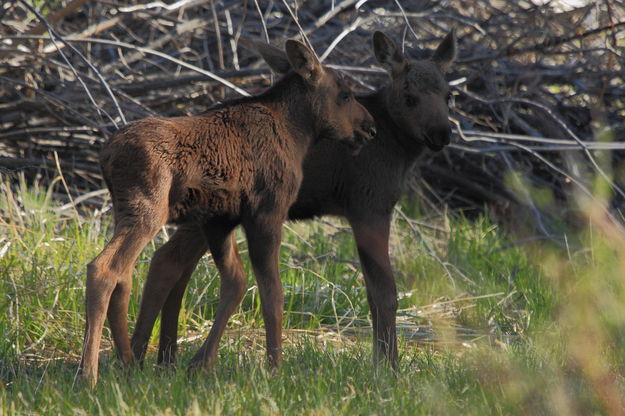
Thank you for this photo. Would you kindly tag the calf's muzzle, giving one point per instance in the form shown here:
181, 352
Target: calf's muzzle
438, 137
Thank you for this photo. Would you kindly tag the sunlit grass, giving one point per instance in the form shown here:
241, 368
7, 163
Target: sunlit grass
488, 325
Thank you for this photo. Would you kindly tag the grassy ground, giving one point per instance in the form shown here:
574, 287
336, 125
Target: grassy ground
488, 326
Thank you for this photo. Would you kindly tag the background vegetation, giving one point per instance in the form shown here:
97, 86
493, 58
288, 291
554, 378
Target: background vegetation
508, 247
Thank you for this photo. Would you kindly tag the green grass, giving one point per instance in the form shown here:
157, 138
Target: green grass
487, 326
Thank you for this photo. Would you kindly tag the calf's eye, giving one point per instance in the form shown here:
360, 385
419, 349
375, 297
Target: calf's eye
411, 100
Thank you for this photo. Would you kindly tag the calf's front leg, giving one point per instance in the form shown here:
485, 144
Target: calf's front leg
223, 246
372, 237
263, 237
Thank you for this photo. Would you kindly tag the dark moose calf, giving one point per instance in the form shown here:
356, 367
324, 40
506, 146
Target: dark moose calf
410, 113
238, 164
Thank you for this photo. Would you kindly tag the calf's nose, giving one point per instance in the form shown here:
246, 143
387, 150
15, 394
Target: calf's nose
371, 130
439, 134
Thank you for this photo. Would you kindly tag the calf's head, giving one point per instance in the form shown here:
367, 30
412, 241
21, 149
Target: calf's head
337, 113
417, 98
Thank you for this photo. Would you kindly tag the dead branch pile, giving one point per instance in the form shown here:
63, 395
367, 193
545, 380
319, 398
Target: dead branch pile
538, 88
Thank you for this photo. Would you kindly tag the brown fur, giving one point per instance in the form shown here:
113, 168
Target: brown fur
410, 113
238, 164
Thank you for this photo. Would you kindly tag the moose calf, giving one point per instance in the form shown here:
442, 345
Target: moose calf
239, 164
410, 114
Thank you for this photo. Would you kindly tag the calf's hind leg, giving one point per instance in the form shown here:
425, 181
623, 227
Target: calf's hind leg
109, 279
170, 270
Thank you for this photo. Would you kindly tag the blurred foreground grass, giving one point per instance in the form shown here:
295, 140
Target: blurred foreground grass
488, 325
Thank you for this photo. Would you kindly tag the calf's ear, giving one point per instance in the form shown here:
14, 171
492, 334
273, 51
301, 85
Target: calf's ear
275, 58
387, 54
445, 54
304, 62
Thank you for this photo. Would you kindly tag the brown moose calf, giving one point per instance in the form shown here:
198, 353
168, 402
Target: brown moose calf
410, 113
239, 164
